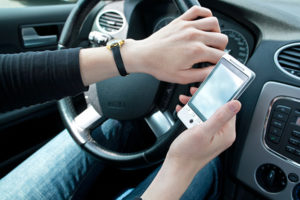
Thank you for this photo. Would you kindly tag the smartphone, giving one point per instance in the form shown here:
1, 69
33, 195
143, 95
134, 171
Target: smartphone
227, 81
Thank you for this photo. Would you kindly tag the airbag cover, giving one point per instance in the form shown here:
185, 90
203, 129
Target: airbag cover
129, 97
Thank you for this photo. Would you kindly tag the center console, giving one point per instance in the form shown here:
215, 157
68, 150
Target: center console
270, 159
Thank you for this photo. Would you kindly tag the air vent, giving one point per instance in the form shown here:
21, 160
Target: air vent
288, 59
111, 21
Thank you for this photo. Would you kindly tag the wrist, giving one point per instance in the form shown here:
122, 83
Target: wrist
186, 167
172, 180
132, 53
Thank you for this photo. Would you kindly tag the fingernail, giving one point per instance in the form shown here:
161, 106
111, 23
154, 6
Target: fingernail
234, 107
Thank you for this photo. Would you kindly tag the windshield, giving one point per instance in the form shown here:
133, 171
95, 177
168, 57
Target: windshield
25, 3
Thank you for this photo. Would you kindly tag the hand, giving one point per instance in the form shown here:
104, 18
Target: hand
184, 99
200, 144
193, 149
170, 53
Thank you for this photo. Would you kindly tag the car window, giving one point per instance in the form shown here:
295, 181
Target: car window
26, 3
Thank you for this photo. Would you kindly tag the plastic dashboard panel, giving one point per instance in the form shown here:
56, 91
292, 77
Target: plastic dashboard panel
270, 25
255, 145
244, 164
12, 19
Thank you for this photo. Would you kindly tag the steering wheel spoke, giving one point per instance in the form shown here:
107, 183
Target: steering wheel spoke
160, 122
88, 119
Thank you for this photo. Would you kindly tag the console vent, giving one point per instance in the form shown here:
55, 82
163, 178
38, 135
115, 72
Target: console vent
111, 21
288, 58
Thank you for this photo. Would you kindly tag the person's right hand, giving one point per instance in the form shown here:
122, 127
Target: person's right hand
222, 121
202, 143
192, 150
170, 53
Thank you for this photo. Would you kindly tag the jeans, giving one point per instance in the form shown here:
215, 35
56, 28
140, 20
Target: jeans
61, 169
205, 184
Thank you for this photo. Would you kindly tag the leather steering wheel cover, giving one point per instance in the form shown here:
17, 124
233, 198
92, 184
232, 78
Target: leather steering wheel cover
74, 22
135, 160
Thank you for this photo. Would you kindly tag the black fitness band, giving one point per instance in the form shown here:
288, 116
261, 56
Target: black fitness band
119, 61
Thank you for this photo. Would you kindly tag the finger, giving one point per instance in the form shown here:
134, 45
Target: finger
211, 55
222, 116
215, 40
207, 24
194, 75
178, 107
195, 12
193, 90
184, 99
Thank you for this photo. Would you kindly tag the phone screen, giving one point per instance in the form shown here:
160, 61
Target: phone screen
219, 87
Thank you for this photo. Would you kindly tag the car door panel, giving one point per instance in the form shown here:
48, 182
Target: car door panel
12, 20
33, 28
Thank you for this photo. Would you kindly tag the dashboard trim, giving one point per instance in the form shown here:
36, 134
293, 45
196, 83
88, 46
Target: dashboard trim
114, 6
255, 153
265, 129
110, 10
276, 59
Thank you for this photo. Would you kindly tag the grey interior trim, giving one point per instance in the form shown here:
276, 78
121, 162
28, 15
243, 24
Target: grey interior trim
31, 39
116, 6
115, 11
160, 122
60, 46
86, 118
273, 18
255, 153
11, 20
91, 97
277, 63
65, 109
265, 130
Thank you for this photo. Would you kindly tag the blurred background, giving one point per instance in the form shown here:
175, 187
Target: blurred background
24, 3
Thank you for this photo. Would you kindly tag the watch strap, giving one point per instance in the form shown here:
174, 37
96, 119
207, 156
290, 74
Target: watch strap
118, 60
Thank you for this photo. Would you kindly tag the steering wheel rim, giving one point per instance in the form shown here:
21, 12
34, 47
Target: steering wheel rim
79, 126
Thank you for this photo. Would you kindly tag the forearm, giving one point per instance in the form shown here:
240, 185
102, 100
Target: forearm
168, 55
97, 64
172, 180
36, 77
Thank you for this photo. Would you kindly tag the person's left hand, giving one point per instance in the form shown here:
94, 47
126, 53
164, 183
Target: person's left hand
170, 53
184, 99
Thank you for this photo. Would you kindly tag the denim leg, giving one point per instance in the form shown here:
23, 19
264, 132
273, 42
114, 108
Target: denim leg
114, 135
205, 184
53, 172
60, 168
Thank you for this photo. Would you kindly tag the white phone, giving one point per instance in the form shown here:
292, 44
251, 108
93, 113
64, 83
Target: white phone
228, 80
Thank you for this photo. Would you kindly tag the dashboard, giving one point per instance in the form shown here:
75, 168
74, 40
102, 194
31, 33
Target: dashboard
265, 35
240, 40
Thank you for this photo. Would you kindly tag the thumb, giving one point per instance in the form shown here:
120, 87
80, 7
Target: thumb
223, 115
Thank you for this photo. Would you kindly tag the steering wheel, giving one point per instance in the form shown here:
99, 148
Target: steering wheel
120, 98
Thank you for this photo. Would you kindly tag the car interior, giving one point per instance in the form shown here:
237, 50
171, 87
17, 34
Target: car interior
264, 161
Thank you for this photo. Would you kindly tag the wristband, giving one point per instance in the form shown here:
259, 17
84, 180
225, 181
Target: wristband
114, 46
